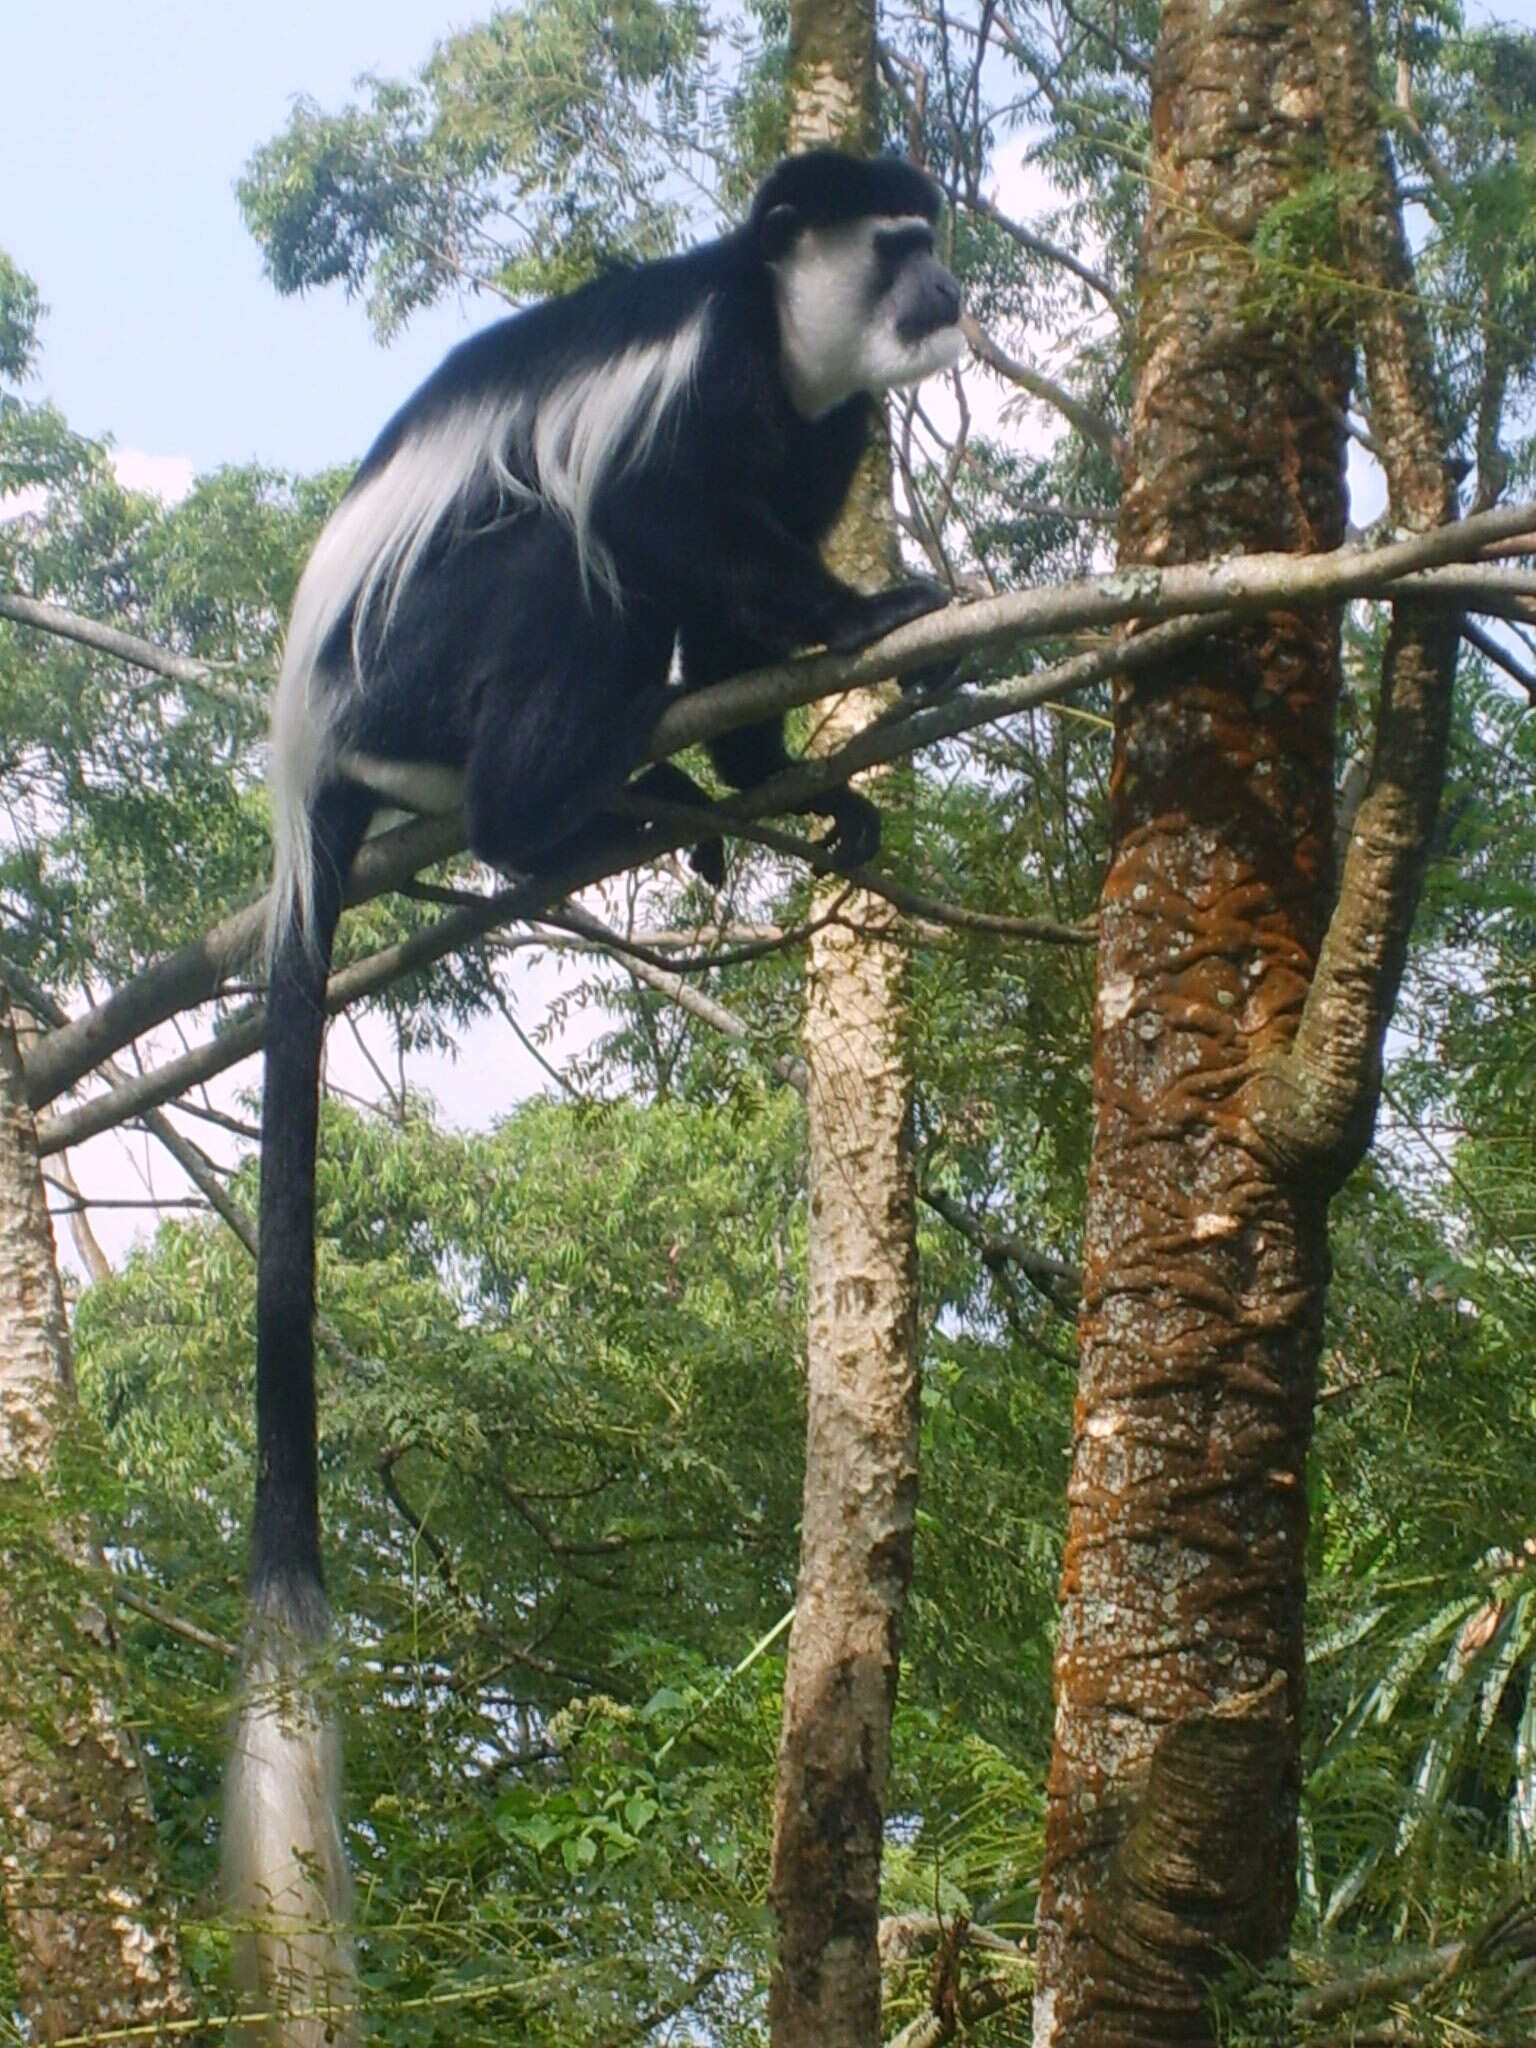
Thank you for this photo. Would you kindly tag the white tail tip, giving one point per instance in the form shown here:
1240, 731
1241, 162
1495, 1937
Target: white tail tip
286, 1883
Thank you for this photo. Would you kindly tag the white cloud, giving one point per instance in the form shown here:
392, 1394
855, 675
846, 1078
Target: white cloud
167, 477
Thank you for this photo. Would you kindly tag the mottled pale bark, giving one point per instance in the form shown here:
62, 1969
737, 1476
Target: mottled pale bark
862, 1410
92, 1947
1171, 1822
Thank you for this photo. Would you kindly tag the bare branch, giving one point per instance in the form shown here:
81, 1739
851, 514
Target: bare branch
933, 916
1091, 425
633, 948
143, 1092
1058, 1281
1130, 59
1501, 593
192, 1160
687, 997
53, 618
965, 2010
140, 1603
1050, 252
1501, 657
1244, 587
196, 973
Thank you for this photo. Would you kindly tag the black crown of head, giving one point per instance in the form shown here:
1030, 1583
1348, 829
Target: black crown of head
828, 185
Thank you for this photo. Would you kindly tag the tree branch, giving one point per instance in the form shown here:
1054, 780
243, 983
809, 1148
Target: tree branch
196, 972
53, 618
123, 1594
1090, 424
1050, 252
1192, 593
1503, 593
687, 997
1501, 657
140, 1093
1059, 1282
1316, 1104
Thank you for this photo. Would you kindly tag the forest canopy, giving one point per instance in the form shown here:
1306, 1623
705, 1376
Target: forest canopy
1203, 934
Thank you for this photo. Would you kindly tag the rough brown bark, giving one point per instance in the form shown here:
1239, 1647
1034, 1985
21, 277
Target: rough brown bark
93, 1947
862, 1413
1171, 1821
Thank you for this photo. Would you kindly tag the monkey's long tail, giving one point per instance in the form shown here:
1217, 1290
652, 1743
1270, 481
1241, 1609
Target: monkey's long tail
285, 1869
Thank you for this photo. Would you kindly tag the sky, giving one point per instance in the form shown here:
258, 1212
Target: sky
125, 126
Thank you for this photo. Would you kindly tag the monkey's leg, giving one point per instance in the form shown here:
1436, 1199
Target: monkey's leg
751, 754
622, 841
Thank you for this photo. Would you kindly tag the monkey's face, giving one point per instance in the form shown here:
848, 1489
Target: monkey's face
863, 306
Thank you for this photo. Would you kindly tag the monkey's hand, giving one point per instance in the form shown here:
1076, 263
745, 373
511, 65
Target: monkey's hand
707, 860
872, 617
855, 834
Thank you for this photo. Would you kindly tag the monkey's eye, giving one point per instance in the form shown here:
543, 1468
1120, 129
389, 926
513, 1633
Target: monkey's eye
894, 245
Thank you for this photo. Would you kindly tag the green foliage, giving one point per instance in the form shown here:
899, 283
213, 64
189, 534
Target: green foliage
132, 798
562, 1481
529, 151
21, 308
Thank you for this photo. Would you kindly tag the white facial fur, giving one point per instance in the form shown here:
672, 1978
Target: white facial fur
837, 337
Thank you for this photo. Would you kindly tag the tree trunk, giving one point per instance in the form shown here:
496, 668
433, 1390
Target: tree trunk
1172, 1802
862, 1410
92, 1947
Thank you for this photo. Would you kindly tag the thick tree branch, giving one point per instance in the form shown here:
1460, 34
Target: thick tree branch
1502, 593
1317, 1103
1241, 588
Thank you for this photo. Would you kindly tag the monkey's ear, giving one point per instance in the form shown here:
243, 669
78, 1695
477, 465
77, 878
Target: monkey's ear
780, 225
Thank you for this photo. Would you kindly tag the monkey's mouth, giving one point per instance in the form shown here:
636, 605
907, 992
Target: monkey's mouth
933, 348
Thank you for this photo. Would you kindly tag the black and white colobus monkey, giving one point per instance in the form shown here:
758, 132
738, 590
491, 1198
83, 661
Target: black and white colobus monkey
646, 464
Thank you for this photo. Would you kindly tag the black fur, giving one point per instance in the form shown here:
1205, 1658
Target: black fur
502, 654
285, 1537
499, 655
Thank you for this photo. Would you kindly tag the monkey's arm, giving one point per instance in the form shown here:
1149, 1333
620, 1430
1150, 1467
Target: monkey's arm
734, 568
